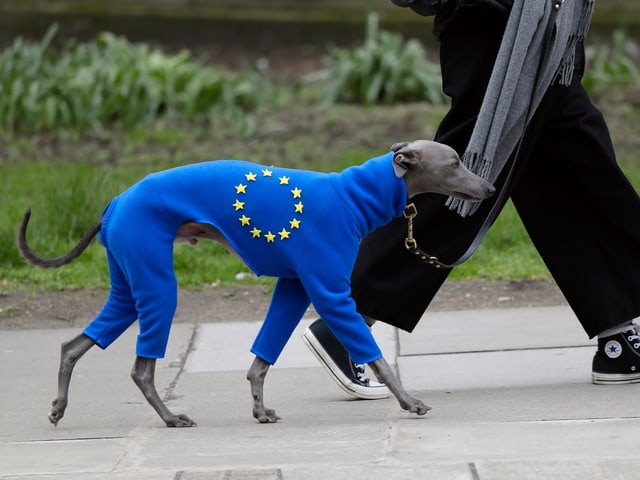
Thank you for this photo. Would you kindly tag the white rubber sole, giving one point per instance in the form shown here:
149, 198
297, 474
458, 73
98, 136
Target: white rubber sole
375, 390
614, 378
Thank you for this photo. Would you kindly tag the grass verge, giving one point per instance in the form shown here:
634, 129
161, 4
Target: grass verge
68, 192
68, 177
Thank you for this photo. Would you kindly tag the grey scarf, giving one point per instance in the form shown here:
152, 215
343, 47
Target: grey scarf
513, 93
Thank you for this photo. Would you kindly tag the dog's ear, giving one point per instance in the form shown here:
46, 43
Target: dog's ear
403, 158
397, 146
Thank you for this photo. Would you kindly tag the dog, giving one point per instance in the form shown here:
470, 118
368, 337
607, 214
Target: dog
300, 226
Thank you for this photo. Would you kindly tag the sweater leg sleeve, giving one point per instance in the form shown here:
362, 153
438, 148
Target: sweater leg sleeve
288, 304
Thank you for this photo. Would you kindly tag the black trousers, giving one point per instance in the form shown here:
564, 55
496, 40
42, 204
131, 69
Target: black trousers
580, 211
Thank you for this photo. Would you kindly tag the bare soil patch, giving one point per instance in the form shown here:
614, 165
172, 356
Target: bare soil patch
61, 309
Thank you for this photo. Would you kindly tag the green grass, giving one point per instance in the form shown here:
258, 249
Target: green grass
67, 198
505, 254
68, 175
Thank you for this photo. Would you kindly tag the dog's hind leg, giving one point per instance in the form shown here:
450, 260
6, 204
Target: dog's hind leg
385, 375
71, 351
256, 374
143, 375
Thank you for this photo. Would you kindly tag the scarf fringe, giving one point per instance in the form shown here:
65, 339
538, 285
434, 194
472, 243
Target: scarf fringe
566, 69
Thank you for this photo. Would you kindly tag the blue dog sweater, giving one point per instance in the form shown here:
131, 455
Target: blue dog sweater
301, 226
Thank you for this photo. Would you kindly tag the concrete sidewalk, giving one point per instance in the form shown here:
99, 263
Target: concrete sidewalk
510, 391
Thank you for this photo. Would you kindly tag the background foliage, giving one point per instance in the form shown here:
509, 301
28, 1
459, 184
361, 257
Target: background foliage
385, 69
82, 121
96, 85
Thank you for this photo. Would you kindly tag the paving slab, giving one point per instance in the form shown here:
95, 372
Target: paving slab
104, 410
221, 347
510, 392
496, 369
493, 330
495, 348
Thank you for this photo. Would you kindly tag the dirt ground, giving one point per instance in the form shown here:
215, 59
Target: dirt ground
249, 303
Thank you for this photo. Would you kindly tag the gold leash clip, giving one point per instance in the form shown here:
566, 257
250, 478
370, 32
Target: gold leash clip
409, 213
411, 244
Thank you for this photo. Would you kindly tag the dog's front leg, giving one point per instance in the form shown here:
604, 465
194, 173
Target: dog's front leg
70, 353
385, 375
143, 374
255, 375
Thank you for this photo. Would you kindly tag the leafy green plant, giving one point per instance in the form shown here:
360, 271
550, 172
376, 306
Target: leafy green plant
385, 69
111, 81
614, 64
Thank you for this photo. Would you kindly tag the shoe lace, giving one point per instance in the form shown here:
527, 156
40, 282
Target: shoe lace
360, 373
633, 335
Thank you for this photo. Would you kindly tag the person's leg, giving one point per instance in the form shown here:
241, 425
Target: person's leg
388, 282
583, 216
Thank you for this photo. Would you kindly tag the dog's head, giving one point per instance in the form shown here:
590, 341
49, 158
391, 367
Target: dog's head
428, 166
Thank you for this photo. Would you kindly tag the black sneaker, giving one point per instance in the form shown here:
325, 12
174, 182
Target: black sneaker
617, 360
349, 376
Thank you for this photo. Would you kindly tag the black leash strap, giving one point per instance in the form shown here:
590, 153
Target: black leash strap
410, 212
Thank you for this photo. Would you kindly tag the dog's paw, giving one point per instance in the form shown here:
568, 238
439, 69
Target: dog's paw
413, 405
57, 411
54, 417
418, 407
180, 421
267, 415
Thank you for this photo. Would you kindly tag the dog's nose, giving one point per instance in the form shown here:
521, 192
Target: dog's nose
491, 190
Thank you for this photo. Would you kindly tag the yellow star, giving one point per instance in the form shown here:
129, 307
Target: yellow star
244, 220
295, 223
270, 237
241, 189
266, 173
251, 177
283, 234
238, 205
299, 207
255, 232
284, 180
296, 192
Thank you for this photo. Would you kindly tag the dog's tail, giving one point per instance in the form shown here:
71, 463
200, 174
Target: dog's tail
38, 261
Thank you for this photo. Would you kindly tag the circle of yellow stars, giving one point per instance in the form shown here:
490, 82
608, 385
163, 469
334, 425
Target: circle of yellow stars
257, 233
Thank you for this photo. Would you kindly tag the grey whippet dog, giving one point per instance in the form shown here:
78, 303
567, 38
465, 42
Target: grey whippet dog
338, 210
